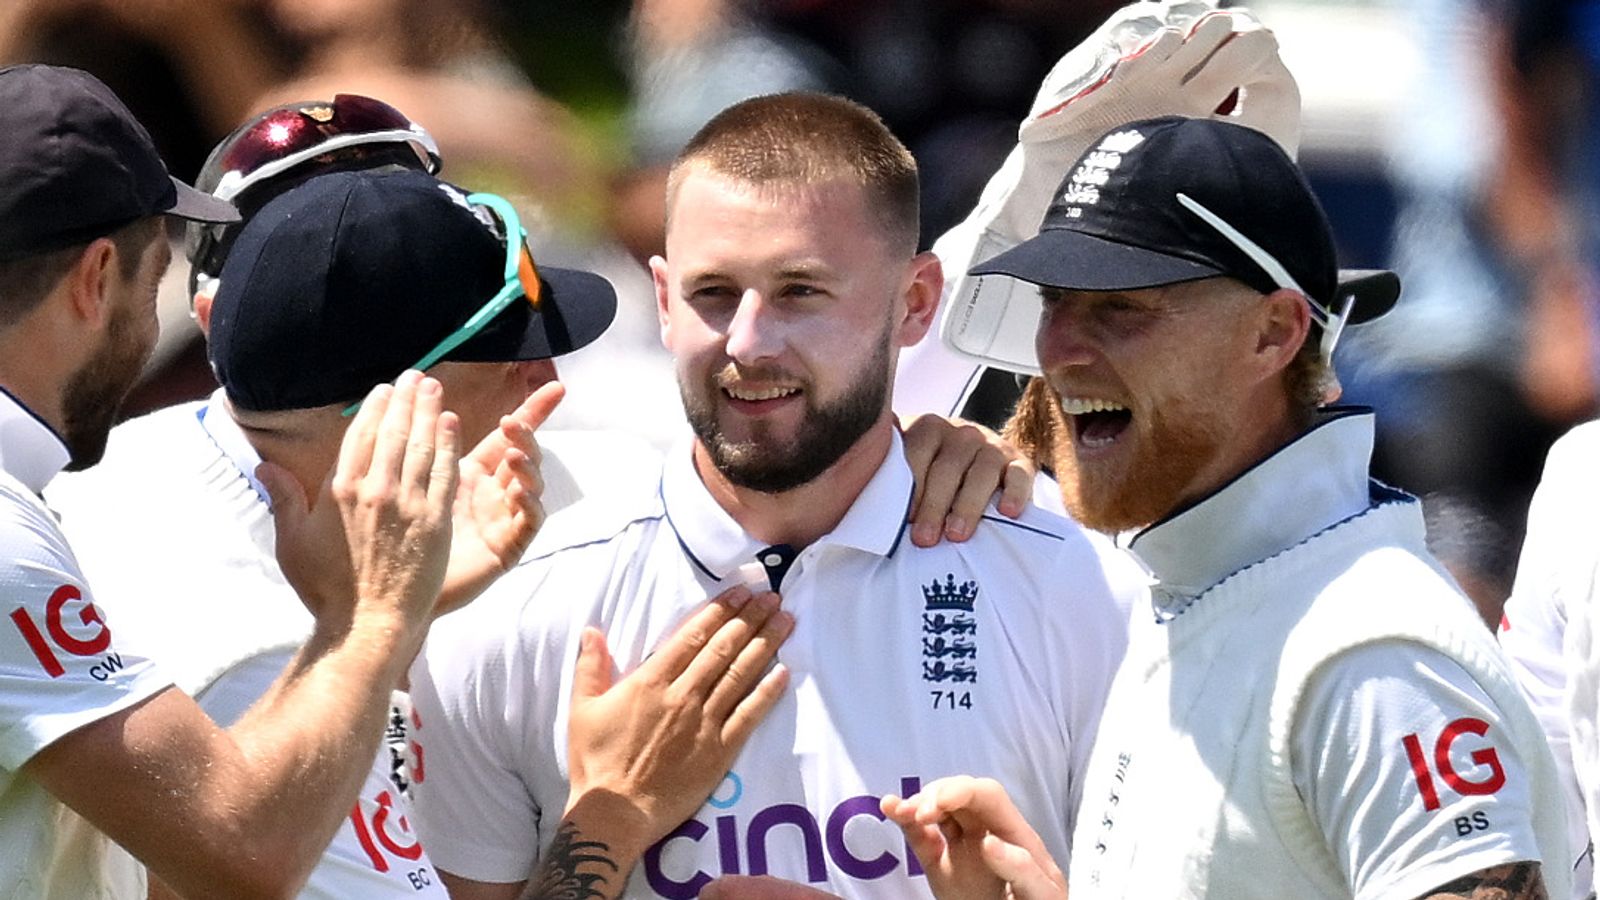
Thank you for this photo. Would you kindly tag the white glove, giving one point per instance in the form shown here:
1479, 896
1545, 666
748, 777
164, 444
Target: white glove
1174, 57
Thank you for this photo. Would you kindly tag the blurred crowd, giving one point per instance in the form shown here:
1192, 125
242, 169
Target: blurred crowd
574, 111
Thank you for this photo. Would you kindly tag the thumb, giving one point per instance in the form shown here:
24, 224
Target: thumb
593, 675
287, 495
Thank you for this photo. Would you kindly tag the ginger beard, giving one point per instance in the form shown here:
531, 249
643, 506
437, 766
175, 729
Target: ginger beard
1143, 484
764, 461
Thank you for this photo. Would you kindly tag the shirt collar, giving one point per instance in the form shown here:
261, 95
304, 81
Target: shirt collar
1315, 481
229, 438
719, 546
30, 450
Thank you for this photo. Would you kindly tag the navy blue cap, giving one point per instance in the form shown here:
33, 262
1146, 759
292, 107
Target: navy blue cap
342, 282
1174, 199
76, 165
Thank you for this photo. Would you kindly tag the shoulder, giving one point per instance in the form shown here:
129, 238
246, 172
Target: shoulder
138, 453
1046, 545
609, 519
603, 462
28, 529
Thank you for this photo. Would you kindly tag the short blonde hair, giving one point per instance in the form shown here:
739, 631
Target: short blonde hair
805, 139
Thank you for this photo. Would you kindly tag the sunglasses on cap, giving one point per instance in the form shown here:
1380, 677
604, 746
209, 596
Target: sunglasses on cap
521, 281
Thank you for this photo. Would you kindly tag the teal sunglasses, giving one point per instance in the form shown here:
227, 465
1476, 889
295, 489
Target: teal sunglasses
521, 280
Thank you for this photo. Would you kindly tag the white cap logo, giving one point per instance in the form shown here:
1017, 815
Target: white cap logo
1083, 188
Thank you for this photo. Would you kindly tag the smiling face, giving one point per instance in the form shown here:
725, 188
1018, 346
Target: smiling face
1162, 395
782, 305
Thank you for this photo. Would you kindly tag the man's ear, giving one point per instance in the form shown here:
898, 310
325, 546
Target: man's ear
658, 279
1284, 324
200, 310
88, 279
924, 283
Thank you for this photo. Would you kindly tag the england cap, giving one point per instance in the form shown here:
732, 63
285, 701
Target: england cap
1169, 200
76, 165
343, 282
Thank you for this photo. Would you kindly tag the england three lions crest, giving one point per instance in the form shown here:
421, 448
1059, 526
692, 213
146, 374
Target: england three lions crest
950, 631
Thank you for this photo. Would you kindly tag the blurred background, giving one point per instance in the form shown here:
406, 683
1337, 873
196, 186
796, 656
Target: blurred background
1451, 140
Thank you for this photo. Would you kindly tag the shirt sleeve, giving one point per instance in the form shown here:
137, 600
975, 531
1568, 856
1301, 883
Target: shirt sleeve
1406, 767
475, 813
61, 666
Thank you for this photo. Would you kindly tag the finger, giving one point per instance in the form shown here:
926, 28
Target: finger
920, 446
1016, 488
982, 804
754, 707
942, 797
1205, 36
355, 451
927, 843
1152, 51
711, 663
900, 810
942, 482
445, 451
416, 467
753, 659
984, 476
394, 431
1026, 876
594, 674
533, 411
1233, 64
679, 650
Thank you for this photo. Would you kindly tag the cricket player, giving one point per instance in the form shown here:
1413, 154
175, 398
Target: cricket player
1309, 707
790, 279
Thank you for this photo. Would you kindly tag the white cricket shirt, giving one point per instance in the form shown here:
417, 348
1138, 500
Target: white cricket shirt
60, 668
1405, 772
990, 657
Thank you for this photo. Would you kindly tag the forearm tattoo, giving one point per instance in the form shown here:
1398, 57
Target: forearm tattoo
572, 869
1517, 881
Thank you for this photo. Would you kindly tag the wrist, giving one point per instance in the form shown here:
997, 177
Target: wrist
599, 841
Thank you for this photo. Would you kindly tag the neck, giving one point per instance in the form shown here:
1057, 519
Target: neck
1246, 450
800, 516
36, 370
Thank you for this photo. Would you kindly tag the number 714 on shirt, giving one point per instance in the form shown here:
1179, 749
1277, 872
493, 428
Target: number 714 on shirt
951, 699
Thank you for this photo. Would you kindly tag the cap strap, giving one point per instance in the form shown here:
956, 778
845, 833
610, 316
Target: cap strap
1332, 323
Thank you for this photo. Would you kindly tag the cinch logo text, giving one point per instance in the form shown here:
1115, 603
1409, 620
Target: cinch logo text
95, 642
744, 850
1486, 757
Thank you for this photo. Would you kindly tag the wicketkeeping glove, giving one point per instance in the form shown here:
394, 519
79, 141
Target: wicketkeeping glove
1174, 57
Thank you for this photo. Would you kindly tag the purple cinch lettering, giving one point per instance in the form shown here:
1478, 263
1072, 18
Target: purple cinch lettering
849, 863
728, 844
693, 830
786, 814
909, 786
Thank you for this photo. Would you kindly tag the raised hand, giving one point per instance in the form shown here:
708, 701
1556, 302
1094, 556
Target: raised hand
645, 752
373, 545
497, 509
